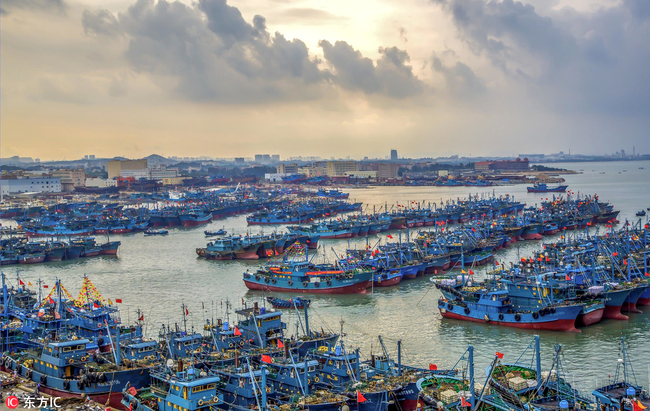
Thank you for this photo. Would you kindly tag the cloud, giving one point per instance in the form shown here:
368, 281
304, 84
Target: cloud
391, 76
460, 79
44, 5
501, 29
100, 23
209, 52
588, 61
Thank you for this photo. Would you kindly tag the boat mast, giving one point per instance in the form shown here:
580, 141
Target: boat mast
184, 308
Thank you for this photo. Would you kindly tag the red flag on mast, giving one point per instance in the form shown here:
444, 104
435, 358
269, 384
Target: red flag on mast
360, 397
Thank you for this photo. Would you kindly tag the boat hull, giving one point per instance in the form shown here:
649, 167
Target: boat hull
592, 317
356, 288
555, 325
614, 303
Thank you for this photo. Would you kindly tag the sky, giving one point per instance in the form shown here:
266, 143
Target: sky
332, 79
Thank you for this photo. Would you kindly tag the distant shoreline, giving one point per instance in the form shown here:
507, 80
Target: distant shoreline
609, 160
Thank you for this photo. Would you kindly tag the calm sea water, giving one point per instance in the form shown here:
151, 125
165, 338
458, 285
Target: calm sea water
158, 274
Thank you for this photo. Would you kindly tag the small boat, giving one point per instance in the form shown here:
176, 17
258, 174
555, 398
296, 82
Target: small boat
544, 188
156, 232
215, 233
296, 302
640, 213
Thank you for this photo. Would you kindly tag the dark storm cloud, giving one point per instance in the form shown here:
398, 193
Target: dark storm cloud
579, 61
214, 54
47, 5
391, 76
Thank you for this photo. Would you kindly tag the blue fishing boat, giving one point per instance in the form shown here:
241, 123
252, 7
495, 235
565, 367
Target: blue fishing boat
221, 231
66, 369
155, 232
495, 307
545, 188
624, 393
173, 389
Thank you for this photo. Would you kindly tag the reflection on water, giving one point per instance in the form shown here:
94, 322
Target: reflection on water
158, 274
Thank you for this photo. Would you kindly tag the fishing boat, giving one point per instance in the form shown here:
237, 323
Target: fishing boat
215, 233
296, 302
640, 213
624, 394
155, 232
175, 388
544, 188
387, 277
66, 369
195, 217
495, 307
295, 272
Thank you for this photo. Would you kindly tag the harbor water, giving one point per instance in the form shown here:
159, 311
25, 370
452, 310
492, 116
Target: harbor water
157, 274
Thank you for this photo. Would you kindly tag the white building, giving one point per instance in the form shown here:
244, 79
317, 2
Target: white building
30, 185
100, 182
163, 172
361, 174
275, 177
137, 174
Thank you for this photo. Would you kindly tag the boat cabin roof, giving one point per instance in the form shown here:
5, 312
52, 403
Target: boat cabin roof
299, 365
251, 312
143, 344
189, 337
68, 343
197, 382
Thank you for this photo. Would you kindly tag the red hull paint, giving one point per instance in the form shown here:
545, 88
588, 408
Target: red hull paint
190, 223
410, 276
631, 308
108, 252
115, 397
590, 318
121, 231
644, 302
532, 236
248, 255
101, 231
559, 325
346, 235
32, 260
348, 289
388, 283
91, 254
613, 312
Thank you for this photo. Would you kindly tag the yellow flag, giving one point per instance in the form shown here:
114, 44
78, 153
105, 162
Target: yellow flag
110, 302
29, 284
463, 271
